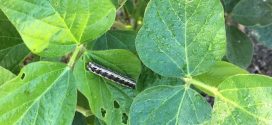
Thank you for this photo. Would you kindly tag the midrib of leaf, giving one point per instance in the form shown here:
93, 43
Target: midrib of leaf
163, 21
185, 40
165, 100
180, 105
66, 26
218, 94
185, 37
85, 24
42, 94
62, 101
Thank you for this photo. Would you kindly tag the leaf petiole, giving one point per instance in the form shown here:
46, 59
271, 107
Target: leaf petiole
75, 55
202, 85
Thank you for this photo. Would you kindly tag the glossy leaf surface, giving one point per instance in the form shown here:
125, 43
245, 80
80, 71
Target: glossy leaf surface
180, 38
244, 99
43, 93
167, 105
53, 27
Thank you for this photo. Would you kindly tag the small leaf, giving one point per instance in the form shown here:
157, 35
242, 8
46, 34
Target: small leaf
52, 28
108, 101
5, 75
218, 73
244, 99
262, 34
239, 47
180, 37
116, 40
164, 105
12, 49
252, 12
43, 93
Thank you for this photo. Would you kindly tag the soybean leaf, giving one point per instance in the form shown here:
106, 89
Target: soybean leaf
115, 39
12, 49
180, 37
252, 12
170, 105
244, 99
239, 47
43, 93
262, 34
218, 73
108, 101
52, 28
5, 75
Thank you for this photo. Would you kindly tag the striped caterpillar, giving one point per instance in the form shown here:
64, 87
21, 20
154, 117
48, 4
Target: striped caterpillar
110, 75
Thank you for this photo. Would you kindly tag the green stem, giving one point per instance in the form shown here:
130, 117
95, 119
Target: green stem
202, 85
74, 56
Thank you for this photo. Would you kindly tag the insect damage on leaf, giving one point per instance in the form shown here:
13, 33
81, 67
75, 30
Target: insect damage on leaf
110, 75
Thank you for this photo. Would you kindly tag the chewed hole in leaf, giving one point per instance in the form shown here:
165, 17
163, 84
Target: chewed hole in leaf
103, 112
116, 104
124, 118
23, 76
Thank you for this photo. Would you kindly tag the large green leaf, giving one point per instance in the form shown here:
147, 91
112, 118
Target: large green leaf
218, 73
53, 27
182, 37
115, 39
244, 99
252, 12
43, 93
239, 47
166, 105
12, 49
109, 101
5, 75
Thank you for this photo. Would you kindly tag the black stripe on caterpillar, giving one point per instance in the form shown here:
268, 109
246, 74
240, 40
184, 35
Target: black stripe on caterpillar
110, 75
